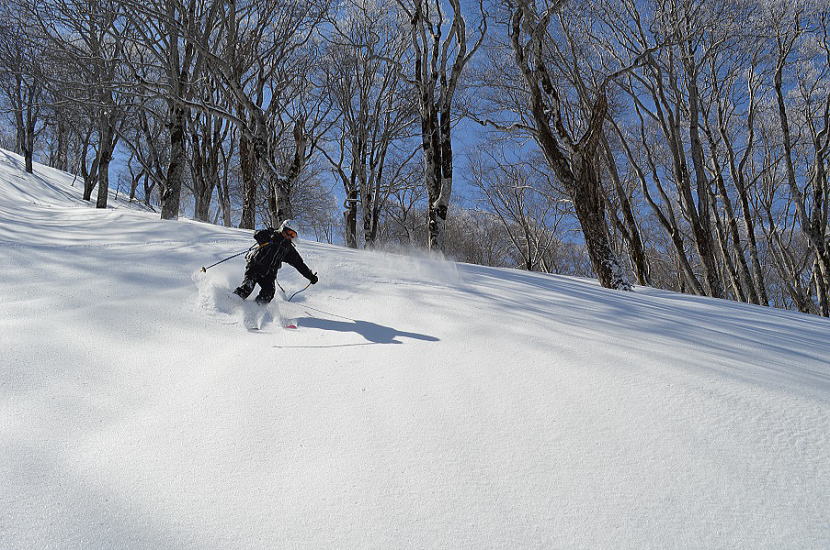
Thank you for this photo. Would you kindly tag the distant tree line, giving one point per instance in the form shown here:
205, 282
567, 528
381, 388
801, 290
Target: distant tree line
680, 144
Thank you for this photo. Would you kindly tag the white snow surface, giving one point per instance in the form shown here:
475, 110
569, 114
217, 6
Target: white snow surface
420, 404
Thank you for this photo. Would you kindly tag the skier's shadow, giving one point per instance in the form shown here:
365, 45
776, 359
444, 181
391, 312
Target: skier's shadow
372, 332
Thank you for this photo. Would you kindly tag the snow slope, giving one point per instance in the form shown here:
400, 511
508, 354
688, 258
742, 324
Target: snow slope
421, 404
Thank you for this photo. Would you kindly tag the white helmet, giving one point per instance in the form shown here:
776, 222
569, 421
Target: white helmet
286, 226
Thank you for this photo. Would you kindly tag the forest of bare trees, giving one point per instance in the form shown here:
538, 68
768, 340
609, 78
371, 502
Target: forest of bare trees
681, 144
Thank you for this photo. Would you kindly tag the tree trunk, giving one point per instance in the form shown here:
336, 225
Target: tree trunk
700, 214
574, 161
372, 213
247, 159
440, 197
204, 170
813, 231
202, 209
579, 176
273, 203
282, 209
172, 190
103, 177
437, 76
105, 150
586, 193
350, 216
25, 134
438, 201
27, 155
225, 201
134, 185
632, 232
368, 202
31, 127
90, 175
149, 185
62, 147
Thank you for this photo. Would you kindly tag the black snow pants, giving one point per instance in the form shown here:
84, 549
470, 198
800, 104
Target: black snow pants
266, 282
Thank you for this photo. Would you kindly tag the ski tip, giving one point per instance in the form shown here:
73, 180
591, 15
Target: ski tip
290, 326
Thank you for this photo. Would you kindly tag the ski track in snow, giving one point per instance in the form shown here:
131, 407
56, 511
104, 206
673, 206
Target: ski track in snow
421, 403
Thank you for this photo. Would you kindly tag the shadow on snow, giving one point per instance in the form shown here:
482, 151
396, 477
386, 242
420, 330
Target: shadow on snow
372, 332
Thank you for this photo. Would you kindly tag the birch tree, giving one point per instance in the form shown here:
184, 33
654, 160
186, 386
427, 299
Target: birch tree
439, 61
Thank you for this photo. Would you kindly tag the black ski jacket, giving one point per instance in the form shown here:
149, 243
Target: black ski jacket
273, 250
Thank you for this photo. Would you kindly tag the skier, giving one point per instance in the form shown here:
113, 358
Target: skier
275, 247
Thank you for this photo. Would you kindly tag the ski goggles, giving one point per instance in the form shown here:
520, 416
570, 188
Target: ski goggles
290, 233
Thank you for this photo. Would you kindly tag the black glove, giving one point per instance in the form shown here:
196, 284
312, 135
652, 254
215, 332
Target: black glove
313, 278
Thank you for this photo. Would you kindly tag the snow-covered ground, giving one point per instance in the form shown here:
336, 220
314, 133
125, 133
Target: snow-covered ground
420, 404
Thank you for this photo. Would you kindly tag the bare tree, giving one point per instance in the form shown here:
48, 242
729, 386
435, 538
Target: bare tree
145, 135
402, 224
208, 144
62, 131
439, 60
572, 153
21, 83
813, 102
478, 237
86, 40
521, 201
166, 65
261, 55
373, 108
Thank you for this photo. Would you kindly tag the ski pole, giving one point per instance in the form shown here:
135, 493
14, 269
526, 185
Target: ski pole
284, 293
301, 290
204, 269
